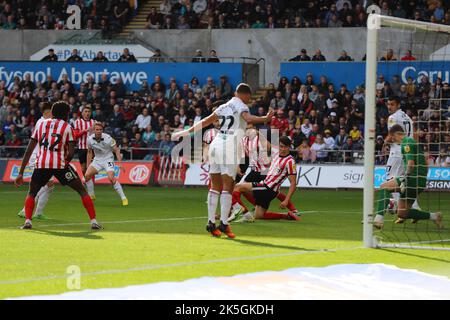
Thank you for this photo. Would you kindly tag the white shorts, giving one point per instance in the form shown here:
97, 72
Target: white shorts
394, 166
224, 156
106, 165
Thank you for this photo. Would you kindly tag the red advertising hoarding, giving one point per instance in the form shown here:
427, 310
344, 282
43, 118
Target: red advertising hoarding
135, 172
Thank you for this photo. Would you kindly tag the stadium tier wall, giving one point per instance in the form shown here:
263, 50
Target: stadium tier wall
275, 46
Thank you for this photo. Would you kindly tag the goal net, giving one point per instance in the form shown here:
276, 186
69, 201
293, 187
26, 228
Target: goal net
408, 62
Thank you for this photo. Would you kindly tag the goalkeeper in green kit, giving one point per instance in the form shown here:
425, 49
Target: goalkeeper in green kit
411, 184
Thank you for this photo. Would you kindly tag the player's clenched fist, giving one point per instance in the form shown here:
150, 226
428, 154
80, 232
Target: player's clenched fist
176, 136
269, 115
18, 181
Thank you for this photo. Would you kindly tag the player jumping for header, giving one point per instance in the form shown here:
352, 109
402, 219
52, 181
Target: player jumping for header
56, 150
103, 146
224, 153
413, 182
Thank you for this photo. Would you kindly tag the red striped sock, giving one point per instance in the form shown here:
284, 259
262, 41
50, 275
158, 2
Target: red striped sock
274, 215
282, 197
89, 205
237, 199
29, 206
250, 198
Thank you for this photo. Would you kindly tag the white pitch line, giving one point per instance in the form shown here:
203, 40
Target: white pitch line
161, 219
121, 221
178, 264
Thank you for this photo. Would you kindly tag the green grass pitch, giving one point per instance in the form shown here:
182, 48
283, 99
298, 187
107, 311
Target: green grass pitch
161, 236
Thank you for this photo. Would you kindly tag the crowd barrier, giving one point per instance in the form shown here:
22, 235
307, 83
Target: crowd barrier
164, 171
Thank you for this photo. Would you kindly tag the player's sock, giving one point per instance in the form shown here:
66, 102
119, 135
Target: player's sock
395, 196
419, 215
43, 199
118, 187
213, 200
89, 206
382, 200
90, 187
236, 199
225, 206
274, 215
250, 198
415, 205
282, 197
41, 192
29, 206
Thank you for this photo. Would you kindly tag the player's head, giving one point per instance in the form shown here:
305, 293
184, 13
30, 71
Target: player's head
251, 131
393, 104
243, 92
397, 133
86, 112
61, 110
98, 129
216, 124
285, 146
46, 110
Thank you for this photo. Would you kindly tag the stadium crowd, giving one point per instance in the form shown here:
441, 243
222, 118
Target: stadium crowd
109, 16
257, 14
320, 117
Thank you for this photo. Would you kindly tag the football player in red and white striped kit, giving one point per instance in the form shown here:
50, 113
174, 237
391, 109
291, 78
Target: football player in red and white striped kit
282, 167
256, 147
83, 127
56, 149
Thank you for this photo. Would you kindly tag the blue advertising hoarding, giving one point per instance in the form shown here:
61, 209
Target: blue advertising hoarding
353, 73
437, 178
132, 74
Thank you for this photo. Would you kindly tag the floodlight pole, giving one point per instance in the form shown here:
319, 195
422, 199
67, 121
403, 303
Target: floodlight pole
373, 25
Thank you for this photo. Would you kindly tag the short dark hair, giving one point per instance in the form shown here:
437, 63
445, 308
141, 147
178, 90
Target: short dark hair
46, 106
61, 110
395, 98
86, 107
244, 88
286, 141
395, 129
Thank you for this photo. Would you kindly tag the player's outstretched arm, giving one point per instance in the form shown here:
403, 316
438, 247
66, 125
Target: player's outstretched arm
26, 157
89, 157
292, 188
119, 157
196, 127
258, 120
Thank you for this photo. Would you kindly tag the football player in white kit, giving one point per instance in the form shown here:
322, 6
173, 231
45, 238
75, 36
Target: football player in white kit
225, 153
45, 192
103, 146
394, 167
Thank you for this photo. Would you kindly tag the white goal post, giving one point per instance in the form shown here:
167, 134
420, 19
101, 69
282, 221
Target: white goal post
374, 23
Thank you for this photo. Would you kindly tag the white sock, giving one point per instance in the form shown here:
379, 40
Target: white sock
118, 187
93, 221
378, 218
28, 221
213, 200
415, 205
225, 206
396, 196
90, 187
43, 199
433, 216
248, 216
41, 191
